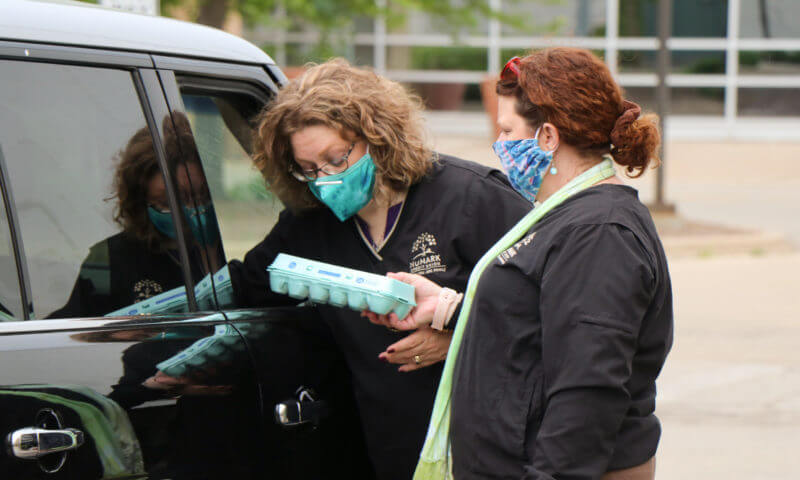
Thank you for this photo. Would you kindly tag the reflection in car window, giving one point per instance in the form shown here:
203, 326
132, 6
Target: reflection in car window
223, 133
86, 180
10, 299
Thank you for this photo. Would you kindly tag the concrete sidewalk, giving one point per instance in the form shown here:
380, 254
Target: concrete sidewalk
729, 395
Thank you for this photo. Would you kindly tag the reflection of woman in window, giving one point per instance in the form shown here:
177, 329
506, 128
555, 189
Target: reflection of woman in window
142, 260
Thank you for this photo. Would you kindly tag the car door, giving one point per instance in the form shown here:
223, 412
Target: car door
110, 366
310, 427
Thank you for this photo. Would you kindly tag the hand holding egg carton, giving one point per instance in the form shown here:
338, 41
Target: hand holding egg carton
319, 282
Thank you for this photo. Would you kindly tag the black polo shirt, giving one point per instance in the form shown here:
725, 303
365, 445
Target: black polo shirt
568, 331
447, 222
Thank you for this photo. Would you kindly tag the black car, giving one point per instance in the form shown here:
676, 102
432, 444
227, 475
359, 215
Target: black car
122, 355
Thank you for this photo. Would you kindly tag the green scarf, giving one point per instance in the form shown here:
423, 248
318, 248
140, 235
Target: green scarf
435, 462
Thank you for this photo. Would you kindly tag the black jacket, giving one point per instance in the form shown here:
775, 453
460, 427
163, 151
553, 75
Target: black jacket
120, 271
568, 331
447, 222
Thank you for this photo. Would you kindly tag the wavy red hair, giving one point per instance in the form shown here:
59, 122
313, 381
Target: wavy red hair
574, 90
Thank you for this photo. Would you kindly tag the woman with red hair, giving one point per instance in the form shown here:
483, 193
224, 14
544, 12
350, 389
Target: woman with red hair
567, 321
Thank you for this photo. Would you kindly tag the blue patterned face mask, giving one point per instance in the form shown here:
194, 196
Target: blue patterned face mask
347, 192
525, 163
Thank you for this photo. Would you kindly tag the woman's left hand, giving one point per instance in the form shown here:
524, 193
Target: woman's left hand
426, 294
422, 348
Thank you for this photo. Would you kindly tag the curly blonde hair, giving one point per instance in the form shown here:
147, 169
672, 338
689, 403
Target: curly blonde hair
349, 100
137, 165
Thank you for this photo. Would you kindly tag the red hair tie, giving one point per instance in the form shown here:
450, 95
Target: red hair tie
630, 112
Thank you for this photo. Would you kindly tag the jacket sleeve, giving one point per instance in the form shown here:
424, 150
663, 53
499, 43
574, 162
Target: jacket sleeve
597, 284
91, 294
491, 208
249, 278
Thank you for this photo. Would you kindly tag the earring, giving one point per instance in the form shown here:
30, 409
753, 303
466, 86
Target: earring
550, 154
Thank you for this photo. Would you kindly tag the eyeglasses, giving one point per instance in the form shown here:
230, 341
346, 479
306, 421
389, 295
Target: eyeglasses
511, 70
330, 168
201, 207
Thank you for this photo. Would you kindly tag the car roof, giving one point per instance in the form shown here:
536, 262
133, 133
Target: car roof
80, 24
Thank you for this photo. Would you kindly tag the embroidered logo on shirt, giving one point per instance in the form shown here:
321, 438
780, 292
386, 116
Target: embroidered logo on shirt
512, 251
144, 289
424, 256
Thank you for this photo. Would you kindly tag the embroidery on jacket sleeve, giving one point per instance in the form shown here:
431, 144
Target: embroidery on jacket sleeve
511, 252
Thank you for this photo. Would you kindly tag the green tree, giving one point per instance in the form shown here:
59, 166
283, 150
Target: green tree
337, 16
328, 15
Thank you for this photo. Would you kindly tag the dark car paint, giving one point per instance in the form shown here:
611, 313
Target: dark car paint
91, 371
93, 378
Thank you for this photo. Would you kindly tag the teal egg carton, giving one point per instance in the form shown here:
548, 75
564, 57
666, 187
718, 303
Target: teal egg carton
320, 282
204, 353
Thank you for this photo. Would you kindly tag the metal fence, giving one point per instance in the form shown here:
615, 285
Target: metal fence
730, 122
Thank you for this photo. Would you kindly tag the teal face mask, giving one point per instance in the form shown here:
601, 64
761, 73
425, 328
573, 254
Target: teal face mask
347, 192
202, 222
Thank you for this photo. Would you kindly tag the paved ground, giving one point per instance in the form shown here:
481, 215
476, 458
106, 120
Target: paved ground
729, 397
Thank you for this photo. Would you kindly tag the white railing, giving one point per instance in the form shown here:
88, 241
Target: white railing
494, 42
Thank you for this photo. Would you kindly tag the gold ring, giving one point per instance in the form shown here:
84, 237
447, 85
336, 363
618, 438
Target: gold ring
391, 329
417, 359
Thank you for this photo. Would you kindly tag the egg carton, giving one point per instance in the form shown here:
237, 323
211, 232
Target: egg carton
171, 301
204, 353
175, 301
205, 290
319, 282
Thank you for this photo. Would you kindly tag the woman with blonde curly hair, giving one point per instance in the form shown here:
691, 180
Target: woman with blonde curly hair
345, 150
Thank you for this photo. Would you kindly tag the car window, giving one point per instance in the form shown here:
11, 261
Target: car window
10, 299
90, 195
223, 130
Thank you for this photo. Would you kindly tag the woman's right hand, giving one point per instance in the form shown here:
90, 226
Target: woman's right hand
426, 295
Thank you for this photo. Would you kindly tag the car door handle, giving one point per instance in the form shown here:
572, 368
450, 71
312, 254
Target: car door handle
292, 413
32, 443
305, 409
